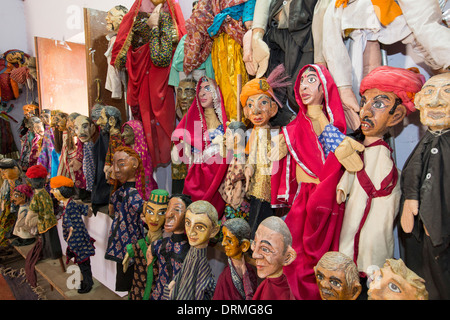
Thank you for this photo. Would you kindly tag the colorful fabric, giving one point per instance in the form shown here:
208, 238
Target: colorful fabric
161, 43
127, 226
170, 253
61, 181
115, 140
88, 164
36, 148
80, 244
242, 11
8, 210
48, 145
42, 204
230, 286
330, 138
140, 146
25, 150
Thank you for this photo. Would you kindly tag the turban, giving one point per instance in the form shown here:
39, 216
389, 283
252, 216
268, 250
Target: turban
8, 163
37, 171
60, 181
25, 189
404, 83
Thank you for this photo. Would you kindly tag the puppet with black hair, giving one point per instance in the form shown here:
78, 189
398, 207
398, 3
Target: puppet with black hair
79, 243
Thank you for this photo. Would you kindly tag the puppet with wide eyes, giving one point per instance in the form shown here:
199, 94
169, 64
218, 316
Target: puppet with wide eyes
145, 272
26, 234
126, 206
238, 280
424, 211
372, 195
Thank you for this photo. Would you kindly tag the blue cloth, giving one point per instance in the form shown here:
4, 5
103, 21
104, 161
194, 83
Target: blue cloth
55, 163
330, 139
244, 10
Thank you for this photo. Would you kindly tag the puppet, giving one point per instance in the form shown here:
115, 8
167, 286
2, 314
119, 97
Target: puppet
337, 277
80, 245
145, 272
126, 207
395, 281
272, 251
150, 97
171, 251
425, 188
10, 61
195, 280
133, 137
26, 234
58, 141
36, 145
48, 141
194, 136
12, 177
317, 151
26, 135
372, 195
238, 280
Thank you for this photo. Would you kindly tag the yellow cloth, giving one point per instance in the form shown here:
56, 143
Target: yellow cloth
386, 10
227, 62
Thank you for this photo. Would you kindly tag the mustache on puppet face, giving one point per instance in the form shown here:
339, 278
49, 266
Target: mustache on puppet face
368, 121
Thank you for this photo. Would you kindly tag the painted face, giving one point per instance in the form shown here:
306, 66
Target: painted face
205, 95
70, 125
102, 121
386, 285
124, 166
114, 18
433, 102
11, 173
268, 247
259, 109
18, 198
332, 284
14, 57
198, 229
375, 117
185, 95
83, 128
38, 128
128, 135
231, 244
154, 215
60, 122
175, 214
310, 89
46, 118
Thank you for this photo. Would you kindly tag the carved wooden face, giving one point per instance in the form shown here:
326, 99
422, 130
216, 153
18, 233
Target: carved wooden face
433, 101
18, 198
11, 173
259, 108
311, 89
154, 215
38, 128
231, 245
185, 95
176, 211
84, 129
128, 135
114, 18
199, 229
124, 166
332, 284
205, 95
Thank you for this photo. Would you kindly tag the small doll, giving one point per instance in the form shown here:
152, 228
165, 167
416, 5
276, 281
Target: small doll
26, 233
79, 243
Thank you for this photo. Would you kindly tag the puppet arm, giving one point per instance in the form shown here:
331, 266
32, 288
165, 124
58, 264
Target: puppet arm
347, 154
343, 187
260, 49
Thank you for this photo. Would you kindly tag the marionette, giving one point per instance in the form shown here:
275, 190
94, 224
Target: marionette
48, 141
260, 105
337, 277
85, 129
41, 208
114, 78
109, 121
395, 281
146, 33
80, 245
372, 195
233, 188
314, 154
170, 251
36, 145
368, 25
12, 177
272, 251
205, 120
195, 280
56, 115
238, 280
133, 137
126, 206
26, 135
26, 233
282, 35
186, 92
145, 272
425, 231
9, 61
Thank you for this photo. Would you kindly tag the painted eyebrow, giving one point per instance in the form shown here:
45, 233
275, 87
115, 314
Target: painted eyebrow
266, 242
382, 96
160, 209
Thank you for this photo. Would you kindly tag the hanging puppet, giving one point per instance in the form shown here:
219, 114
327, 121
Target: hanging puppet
36, 145
24, 230
48, 141
148, 93
26, 135
9, 61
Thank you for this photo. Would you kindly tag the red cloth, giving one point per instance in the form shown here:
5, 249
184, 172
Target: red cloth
315, 218
226, 290
203, 178
148, 85
274, 289
403, 82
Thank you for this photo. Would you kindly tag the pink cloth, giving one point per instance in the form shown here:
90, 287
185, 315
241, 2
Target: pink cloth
140, 146
204, 177
315, 218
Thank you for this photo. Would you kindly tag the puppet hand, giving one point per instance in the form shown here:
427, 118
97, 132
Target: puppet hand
340, 196
279, 148
107, 170
247, 53
170, 287
248, 173
220, 140
351, 107
126, 262
347, 154
410, 209
154, 17
149, 257
261, 52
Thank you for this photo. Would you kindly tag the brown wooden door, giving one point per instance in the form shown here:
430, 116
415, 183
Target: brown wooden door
96, 45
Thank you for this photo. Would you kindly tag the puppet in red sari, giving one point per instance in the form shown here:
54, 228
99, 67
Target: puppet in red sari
142, 42
317, 149
205, 120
